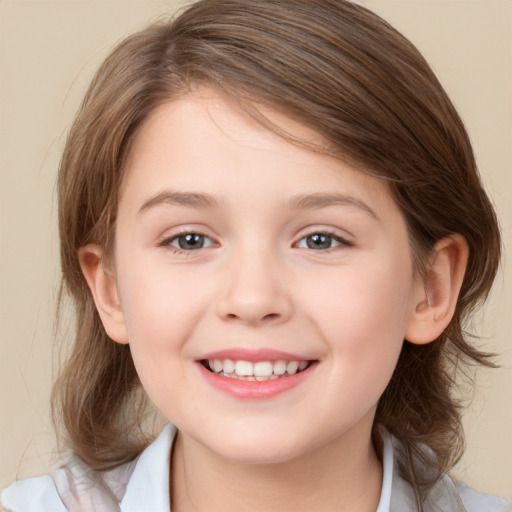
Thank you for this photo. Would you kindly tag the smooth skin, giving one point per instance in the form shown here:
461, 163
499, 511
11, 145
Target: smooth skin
228, 236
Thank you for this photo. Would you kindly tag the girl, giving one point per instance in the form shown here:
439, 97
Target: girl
272, 226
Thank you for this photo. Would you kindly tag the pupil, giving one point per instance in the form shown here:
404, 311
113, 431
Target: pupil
319, 241
191, 241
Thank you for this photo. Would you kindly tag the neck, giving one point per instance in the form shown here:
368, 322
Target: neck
344, 475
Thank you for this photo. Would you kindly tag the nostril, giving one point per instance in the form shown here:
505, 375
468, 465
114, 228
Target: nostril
269, 317
248, 307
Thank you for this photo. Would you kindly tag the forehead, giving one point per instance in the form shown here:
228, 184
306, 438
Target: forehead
193, 118
207, 143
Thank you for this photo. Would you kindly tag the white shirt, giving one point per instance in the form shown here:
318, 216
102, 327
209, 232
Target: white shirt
143, 485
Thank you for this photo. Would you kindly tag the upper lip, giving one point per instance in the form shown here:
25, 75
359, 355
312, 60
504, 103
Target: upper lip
262, 354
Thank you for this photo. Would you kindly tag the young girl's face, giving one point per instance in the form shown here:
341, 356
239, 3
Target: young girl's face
237, 249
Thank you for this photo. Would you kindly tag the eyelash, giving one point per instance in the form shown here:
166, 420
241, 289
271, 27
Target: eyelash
167, 242
342, 242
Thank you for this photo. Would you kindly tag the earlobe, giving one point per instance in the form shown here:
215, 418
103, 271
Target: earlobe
103, 288
436, 296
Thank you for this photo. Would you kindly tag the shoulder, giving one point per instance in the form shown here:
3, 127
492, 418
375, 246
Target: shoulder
446, 495
32, 495
72, 487
476, 502
142, 484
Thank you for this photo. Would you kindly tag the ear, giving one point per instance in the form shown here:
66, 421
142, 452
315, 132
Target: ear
103, 288
435, 298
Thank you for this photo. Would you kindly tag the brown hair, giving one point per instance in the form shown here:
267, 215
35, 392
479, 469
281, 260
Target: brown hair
347, 74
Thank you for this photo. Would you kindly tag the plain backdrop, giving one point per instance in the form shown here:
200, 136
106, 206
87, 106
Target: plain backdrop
48, 53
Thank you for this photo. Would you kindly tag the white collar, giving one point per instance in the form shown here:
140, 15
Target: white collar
144, 485
148, 487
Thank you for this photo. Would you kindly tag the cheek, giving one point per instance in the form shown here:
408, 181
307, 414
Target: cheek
156, 296
161, 313
161, 310
363, 317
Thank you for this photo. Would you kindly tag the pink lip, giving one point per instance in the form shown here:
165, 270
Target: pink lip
241, 354
255, 390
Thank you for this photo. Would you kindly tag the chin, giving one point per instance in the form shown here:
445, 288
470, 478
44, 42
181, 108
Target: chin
258, 449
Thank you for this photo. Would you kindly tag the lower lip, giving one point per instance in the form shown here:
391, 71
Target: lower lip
256, 390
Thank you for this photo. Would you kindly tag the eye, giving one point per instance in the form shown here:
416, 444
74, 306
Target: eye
188, 241
322, 241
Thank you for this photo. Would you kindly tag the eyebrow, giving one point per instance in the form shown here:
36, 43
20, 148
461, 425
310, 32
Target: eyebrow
170, 197
322, 200
301, 202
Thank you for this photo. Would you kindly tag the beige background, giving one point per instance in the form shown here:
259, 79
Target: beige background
48, 52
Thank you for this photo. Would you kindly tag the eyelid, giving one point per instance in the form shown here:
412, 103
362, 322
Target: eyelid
165, 240
335, 235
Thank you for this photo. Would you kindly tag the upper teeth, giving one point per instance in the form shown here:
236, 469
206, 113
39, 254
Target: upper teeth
256, 369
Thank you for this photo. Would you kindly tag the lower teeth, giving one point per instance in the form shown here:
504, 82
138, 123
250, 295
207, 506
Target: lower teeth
249, 377
253, 377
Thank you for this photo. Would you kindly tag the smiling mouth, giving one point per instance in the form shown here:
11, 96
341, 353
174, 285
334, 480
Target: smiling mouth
255, 371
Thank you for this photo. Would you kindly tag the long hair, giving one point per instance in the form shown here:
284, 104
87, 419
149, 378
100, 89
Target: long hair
345, 73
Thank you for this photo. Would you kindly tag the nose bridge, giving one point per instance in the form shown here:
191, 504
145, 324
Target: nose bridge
255, 285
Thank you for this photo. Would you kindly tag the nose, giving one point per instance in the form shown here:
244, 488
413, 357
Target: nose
255, 292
